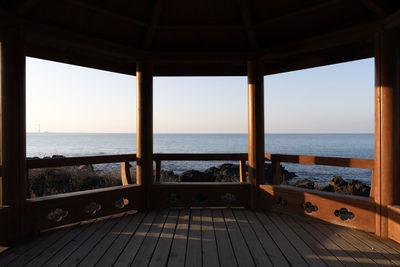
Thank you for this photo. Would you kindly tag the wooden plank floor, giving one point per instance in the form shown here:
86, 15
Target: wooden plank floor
202, 237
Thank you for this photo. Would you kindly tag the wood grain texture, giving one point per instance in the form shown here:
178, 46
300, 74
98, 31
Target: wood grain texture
290, 199
202, 237
38, 209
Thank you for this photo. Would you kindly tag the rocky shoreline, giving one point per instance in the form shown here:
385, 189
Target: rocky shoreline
49, 181
231, 173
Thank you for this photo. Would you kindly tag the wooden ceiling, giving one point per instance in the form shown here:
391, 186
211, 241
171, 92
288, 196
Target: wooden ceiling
207, 37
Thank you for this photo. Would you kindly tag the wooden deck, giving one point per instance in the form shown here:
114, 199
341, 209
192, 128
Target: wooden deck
202, 237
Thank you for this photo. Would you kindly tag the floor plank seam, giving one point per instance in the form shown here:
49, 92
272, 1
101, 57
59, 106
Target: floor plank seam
270, 236
173, 237
215, 235
113, 241
245, 239
320, 226
289, 240
158, 212
276, 244
66, 230
283, 234
234, 222
230, 239
133, 234
82, 242
103, 222
378, 245
102, 237
188, 232
66, 244
201, 235
299, 237
252, 228
315, 241
129, 239
159, 236
312, 234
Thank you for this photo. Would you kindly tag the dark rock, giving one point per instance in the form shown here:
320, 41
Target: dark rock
225, 173
168, 176
358, 188
57, 156
304, 183
196, 176
339, 185
226, 169
338, 182
327, 188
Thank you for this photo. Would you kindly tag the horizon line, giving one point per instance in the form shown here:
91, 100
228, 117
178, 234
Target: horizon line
186, 133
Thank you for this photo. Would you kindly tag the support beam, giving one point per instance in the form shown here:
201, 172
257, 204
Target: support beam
255, 80
26, 6
393, 20
154, 21
291, 16
345, 36
387, 101
106, 11
144, 127
13, 132
244, 10
371, 5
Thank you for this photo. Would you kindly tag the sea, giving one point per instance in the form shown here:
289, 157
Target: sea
332, 145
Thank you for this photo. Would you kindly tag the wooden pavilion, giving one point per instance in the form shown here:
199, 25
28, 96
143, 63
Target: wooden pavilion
201, 38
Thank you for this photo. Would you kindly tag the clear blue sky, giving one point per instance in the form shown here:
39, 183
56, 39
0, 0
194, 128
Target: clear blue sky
331, 99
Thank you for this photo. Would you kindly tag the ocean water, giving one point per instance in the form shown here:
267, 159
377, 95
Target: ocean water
334, 145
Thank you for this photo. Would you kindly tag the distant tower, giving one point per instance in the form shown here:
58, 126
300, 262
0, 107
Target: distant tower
39, 128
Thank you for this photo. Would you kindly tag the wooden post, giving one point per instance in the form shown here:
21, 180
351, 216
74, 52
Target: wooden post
144, 127
126, 173
386, 171
13, 131
158, 171
242, 170
275, 171
255, 80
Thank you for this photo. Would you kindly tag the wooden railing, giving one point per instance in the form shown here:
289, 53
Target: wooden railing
352, 211
77, 161
49, 211
276, 159
45, 212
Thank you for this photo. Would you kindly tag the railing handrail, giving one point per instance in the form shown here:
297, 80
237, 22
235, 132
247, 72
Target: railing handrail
200, 156
320, 160
72, 161
300, 159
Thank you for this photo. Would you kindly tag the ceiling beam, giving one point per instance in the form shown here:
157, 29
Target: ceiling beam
244, 10
320, 59
350, 35
371, 5
303, 11
393, 21
44, 34
155, 16
201, 27
26, 6
108, 12
201, 56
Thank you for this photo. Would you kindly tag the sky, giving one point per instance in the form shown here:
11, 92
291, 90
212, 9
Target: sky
331, 99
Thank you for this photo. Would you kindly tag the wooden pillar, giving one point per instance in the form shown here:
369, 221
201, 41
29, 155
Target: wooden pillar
255, 81
13, 129
386, 171
144, 127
